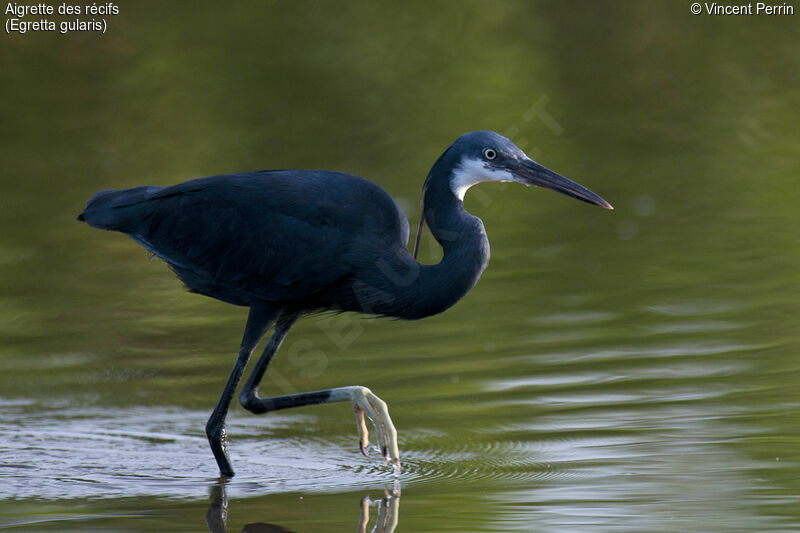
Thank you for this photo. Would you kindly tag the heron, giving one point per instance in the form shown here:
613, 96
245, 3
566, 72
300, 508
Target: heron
290, 243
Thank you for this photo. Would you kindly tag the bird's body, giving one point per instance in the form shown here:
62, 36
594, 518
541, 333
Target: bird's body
290, 242
301, 240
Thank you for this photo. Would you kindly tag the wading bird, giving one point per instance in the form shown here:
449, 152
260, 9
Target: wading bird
287, 243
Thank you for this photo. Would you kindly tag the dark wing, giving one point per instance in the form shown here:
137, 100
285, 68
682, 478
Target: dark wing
273, 235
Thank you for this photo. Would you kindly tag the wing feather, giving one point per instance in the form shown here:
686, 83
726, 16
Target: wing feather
276, 235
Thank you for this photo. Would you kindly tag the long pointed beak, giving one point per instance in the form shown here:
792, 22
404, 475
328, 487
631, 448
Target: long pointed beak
530, 172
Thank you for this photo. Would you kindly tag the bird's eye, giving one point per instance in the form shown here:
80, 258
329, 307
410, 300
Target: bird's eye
489, 153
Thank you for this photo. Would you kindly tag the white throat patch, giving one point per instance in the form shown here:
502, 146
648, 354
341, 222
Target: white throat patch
472, 171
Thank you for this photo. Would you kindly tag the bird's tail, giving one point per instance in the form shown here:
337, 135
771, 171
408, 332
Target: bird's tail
117, 209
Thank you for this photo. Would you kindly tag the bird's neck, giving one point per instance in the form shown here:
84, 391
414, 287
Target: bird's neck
464, 244
411, 290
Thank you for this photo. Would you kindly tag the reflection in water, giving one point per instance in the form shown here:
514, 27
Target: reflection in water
388, 512
217, 515
386, 521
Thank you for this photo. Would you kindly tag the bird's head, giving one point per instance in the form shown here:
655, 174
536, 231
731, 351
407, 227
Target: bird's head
481, 156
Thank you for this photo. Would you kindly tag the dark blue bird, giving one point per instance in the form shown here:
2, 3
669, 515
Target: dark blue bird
286, 243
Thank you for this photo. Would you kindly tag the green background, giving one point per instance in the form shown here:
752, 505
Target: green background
633, 370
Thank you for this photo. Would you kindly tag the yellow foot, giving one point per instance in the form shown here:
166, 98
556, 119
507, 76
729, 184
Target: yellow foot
367, 405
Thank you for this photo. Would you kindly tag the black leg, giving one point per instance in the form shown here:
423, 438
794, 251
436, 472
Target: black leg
258, 322
365, 403
248, 396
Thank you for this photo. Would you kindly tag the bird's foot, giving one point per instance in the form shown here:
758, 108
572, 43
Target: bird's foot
367, 405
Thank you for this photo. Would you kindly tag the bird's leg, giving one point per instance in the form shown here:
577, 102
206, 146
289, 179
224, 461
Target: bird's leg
258, 321
365, 403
